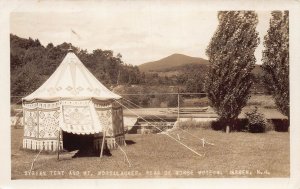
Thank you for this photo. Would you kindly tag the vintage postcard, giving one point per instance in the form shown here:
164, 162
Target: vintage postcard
171, 94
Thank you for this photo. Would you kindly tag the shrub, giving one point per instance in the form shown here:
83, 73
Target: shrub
281, 125
256, 121
270, 126
217, 125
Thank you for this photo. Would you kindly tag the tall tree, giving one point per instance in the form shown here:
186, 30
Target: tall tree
276, 59
231, 57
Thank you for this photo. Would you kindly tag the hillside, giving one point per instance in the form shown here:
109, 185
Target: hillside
32, 64
171, 61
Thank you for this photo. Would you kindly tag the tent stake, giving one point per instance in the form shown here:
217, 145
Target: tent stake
102, 146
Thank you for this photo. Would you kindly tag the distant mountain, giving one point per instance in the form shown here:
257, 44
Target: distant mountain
171, 61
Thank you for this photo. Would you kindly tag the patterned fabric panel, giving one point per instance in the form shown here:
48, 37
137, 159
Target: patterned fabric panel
30, 123
118, 121
102, 104
79, 120
112, 142
76, 102
48, 105
42, 105
48, 123
105, 117
30, 105
46, 145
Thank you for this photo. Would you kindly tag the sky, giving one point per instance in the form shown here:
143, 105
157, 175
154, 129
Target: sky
139, 35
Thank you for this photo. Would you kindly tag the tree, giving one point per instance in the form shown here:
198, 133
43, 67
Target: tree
172, 101
276, 59
231, 57
32, 64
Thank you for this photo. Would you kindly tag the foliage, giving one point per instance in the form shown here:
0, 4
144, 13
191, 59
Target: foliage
155, 98
193, 78
32, 64
231, 57
172, 101
276, 60
256, 121
263, 101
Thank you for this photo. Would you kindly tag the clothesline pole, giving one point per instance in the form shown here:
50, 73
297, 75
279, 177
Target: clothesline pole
160, 130
135, 105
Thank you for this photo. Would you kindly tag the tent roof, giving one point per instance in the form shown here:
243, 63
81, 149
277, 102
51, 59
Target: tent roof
72, 80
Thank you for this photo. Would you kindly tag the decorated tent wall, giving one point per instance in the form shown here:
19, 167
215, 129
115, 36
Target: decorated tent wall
111, 117
41, 126
74, 101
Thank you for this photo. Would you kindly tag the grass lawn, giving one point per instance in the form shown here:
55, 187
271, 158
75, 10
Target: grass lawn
157, 156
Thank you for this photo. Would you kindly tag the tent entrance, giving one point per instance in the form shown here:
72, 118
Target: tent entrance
83, 143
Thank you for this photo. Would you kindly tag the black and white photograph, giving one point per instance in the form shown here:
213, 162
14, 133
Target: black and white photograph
150, 90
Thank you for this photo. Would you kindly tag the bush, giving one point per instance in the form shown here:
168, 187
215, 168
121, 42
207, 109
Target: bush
217, 125
281, 125
256, 122
269, 126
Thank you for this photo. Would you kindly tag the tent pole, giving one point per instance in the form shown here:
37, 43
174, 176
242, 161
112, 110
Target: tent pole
58, 145
102, 146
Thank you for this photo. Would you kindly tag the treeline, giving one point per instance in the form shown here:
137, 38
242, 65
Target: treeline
32, 64
190, 77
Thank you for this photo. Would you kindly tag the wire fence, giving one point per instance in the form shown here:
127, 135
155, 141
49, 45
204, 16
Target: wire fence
152, 100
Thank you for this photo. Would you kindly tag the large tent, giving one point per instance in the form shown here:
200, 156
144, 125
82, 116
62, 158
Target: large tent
73, 101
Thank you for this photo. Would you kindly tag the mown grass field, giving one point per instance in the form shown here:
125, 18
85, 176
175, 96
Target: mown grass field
237, 154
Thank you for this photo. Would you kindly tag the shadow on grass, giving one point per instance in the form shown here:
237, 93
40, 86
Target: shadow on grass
89, 152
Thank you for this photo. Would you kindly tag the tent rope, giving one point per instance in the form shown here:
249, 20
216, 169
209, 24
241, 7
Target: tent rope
160, 130
32, 164
124, 153
148, 118
202, 139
